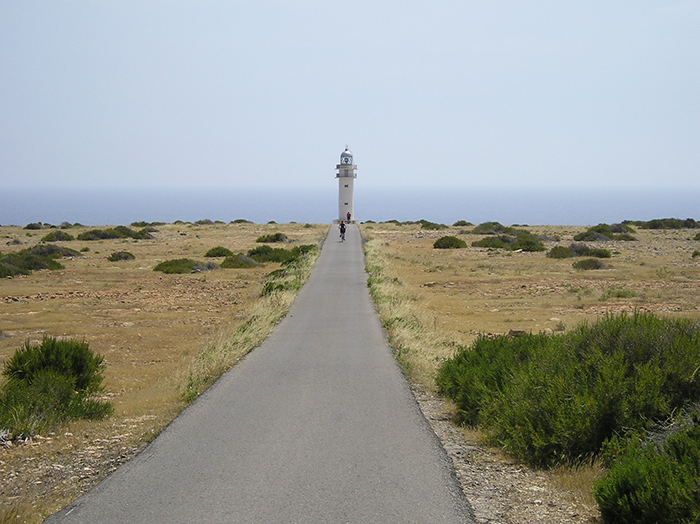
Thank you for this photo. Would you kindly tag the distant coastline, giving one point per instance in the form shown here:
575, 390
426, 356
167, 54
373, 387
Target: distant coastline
92, 206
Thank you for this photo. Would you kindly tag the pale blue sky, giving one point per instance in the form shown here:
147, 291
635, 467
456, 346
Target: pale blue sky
425, 93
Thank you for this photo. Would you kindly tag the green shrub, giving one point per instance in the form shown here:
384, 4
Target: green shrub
51, 251
120, 255
696, 254
58, 236
462, 223
590, 236
498, 242
449, 242
579, 249
241, 221
48, 384
523, 240
697, 237
143, 224
589, 263
598, 253
33, 225
426, 224
272, 238
552, 399
115, 232
647, 483
219, 251
560, 252
180, 266
33, 259
491, 228
238, 261
604, 232
669, 223
72, 358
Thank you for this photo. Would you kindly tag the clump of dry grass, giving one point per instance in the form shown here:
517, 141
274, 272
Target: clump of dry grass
413, 332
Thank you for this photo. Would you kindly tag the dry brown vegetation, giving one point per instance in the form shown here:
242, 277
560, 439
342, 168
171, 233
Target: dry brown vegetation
434, 301
151, 327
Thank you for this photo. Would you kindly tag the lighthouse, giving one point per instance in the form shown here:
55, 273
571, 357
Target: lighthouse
346, 179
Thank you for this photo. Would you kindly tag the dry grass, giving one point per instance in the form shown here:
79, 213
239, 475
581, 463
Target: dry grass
150, 327
434, 301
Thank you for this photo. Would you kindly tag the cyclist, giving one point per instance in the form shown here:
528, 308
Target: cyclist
342, 230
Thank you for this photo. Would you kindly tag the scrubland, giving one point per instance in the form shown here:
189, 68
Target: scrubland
436, 303
164, 338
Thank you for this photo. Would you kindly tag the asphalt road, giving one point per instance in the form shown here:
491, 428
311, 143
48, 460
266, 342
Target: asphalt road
317, 425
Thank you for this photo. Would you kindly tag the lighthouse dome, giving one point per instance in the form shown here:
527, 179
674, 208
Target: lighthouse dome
346, 156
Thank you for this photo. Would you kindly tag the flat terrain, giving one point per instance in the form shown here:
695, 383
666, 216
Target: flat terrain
434, 301
477, 290
317, 425
148, 325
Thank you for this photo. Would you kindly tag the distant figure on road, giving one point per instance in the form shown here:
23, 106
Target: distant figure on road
349, 215
342, 230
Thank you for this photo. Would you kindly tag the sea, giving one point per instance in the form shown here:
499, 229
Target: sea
509, 206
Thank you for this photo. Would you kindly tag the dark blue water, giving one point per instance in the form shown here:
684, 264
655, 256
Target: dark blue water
21, 206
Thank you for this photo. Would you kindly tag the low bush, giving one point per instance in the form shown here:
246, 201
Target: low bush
219, 251
696, 254
269, 254
697, 237
238, 261
51, 251
183, 265
552, 399
523, 240
120, 255
272, 238
588, 264
462, 223
560, 252
669, 223
426, 224
605, 232
143, 224
492, 228
650, 483
58, 236
33, 259
591, 236
115, 232
33, 225
48, 384
449, 242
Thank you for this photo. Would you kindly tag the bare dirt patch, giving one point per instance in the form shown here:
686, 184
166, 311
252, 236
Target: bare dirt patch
148, 325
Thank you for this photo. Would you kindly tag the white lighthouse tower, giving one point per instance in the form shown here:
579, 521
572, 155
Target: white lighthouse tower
346, 179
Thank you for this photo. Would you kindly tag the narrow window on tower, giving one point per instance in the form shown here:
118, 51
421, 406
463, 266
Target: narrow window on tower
346, 185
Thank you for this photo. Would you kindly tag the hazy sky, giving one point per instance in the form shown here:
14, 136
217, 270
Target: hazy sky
425, 93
